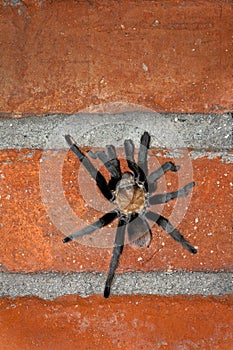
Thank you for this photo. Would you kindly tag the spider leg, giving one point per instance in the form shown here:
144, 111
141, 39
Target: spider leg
163, 198
117, 251
138, 172
167, 226
155, 175
129, 153
101, 155
139, 232
143, 152
111, 163
101, 222
111, 153
95, 174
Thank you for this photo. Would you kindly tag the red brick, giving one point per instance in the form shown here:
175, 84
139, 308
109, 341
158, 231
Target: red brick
130, 322
30, 242
65, 56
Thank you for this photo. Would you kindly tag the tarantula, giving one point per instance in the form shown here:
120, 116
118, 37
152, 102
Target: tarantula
131, 192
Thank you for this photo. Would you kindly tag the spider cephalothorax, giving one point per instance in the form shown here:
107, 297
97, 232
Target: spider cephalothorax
131, 193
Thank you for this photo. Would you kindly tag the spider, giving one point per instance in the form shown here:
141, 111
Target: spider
132, 194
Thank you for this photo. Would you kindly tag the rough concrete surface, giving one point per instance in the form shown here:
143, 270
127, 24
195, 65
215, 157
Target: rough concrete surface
52, 285
196, 131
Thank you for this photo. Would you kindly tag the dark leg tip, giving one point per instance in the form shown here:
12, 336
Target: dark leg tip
173, 167
176, 168
190, 185
193, 250
66, 239
145, 139
106, 292
68, 140
71, 142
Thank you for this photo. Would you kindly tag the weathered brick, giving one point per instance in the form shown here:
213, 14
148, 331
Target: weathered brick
64, 56
31, 242
132, 322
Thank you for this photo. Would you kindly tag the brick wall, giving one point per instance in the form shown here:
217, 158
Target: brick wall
61, 58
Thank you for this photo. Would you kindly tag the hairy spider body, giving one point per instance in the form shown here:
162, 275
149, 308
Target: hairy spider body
129, 195
131, 192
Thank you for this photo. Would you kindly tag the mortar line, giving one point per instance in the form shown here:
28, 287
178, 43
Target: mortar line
168, 130
52, 285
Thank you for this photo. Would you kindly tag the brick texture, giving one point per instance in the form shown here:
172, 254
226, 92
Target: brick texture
99, 55
30, 242
65, 56
130, 322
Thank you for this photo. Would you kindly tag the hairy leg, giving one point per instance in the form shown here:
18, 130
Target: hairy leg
155, 175
129, 153
138, 172
143, 152
163, 198
112, 164
95, 174
117, 251
101, 222
167, 226
111, 154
